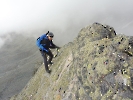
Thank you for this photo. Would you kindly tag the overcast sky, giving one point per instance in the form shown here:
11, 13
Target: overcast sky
64, 17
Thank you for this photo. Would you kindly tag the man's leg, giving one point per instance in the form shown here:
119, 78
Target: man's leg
45, 61
50, 57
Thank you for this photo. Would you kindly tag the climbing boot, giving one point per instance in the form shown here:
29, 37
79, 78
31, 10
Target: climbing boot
50, 63
48, 71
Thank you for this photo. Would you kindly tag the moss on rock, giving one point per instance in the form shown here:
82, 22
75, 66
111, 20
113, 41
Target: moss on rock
97, 65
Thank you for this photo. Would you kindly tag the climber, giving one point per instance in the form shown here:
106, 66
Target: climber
44, 43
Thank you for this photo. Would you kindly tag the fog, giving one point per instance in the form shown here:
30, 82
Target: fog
63, 17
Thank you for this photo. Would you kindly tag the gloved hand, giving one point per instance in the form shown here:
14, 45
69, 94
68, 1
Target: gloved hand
58, 47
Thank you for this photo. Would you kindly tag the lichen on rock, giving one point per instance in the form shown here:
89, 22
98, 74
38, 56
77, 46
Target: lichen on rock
97, 65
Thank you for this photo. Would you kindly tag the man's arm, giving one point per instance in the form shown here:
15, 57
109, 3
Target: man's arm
42, 47
52, 45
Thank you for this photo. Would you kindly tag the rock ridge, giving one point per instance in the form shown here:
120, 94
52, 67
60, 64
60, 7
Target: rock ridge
97, 65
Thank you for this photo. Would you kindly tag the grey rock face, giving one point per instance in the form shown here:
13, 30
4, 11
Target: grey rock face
97, 65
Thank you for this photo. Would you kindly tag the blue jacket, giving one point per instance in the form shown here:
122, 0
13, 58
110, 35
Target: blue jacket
44, 43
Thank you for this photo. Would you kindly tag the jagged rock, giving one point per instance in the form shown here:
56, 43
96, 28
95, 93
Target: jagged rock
95, 66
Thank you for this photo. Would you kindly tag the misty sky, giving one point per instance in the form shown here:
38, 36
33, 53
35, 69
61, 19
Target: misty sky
64, 17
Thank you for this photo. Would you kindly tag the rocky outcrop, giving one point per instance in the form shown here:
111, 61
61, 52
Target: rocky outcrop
97, 65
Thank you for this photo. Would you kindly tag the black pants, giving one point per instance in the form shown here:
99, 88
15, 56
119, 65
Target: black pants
44, 55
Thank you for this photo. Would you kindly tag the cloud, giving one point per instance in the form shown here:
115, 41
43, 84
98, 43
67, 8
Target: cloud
64, 17
5, 38
1, 42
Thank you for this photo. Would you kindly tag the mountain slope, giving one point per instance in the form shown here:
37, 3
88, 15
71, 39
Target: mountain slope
18, 60
97, 65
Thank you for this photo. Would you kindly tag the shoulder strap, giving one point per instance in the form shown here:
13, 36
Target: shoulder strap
47, 33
